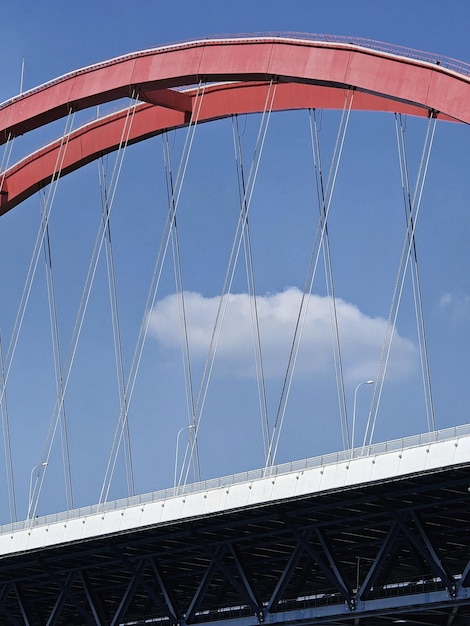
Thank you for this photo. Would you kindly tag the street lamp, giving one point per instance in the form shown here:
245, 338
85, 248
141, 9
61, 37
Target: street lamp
366, 382
39, 465
190, 427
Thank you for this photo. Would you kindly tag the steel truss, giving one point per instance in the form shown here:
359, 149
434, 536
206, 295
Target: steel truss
392, 552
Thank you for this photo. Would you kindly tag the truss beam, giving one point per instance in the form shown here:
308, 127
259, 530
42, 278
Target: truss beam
281, 562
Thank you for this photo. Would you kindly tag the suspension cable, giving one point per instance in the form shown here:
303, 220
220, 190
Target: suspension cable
7, 443
48, 203
415, 278
310, 277
82, 309
250, 277
57, 360
115, 322
399, 283
232, 262
31, 273
330, 287
153, 288
35, 256
185, 353
6, 158
3, 397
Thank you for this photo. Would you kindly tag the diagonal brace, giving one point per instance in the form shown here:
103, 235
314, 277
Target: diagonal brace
433, 557
172, 608
317, 557
376, 567
254, 599
201, 590
286, 575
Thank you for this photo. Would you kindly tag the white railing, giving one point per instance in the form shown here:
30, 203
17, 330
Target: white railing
413, 441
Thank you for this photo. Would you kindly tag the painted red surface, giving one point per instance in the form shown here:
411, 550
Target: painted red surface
308, 74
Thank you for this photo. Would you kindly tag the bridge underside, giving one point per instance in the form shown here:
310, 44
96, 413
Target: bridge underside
382, 553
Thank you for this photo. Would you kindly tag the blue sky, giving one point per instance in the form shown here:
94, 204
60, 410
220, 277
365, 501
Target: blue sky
366, 229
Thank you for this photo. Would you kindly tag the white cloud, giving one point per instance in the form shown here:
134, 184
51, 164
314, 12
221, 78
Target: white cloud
458, 304
361, 336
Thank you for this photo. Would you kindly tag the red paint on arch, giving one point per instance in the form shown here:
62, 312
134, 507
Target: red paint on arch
309, 74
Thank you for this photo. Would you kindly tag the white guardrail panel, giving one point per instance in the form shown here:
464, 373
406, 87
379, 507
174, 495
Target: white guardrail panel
343, 469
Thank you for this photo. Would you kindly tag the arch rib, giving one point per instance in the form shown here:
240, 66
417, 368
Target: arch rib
249, 59
310, 74
103, 135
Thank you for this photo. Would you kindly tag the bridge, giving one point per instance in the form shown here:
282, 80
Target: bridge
374, 534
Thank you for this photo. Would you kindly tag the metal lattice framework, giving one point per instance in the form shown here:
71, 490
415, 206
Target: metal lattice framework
374, 554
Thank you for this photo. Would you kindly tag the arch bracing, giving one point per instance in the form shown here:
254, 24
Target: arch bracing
310, 74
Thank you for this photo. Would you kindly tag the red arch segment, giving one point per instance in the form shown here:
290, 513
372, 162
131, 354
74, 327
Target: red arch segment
308, 73
245, 60
104, 135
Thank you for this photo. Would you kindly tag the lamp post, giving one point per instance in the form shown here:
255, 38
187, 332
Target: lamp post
39, 465
190, 427
366, 382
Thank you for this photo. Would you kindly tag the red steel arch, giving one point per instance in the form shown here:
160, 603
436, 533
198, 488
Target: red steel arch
308, 74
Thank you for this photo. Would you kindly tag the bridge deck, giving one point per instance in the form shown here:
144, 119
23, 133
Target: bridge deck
360, 539
378, 462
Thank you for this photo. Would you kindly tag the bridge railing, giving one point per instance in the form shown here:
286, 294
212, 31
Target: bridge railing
450, 63
333, 458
